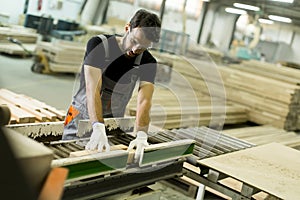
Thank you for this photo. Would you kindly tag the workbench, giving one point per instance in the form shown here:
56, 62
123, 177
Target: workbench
272, 168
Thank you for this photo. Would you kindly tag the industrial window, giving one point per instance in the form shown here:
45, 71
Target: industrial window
151, 4
193, 7
126, 1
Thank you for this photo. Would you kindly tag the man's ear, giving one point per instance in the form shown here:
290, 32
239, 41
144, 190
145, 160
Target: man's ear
127, 27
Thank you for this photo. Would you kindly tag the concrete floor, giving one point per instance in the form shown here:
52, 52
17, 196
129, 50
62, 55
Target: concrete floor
16, 75
56, 90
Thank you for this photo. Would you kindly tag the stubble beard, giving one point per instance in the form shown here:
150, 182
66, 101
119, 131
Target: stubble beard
127, 52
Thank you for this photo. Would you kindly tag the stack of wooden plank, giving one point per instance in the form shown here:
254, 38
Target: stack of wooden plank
260, 135
63, 56
289, 64
204, 53
26, 36
25, 109
270, 94
184, 108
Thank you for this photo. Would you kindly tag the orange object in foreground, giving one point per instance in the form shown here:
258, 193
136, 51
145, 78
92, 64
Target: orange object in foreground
54, 184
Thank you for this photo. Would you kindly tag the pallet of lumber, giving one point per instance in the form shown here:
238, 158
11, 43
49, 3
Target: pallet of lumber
24, 35
63, 56
289, 64
204, 53
25, 109
270, 94
260, 135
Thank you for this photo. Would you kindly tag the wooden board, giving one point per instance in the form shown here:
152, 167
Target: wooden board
62, 52
273, 168
89, 152
260, 135
25, 109
54, 184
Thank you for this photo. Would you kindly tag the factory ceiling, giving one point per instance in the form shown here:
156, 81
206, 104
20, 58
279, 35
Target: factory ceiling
268, 7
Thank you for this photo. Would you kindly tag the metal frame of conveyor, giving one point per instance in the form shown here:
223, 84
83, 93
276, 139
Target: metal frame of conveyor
133, 178
91, 176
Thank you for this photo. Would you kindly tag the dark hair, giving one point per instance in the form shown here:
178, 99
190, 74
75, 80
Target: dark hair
149, 22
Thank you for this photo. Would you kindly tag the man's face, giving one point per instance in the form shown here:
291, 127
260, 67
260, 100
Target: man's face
135, 42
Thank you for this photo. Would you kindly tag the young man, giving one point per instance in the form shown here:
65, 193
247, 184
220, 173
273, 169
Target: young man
111, 68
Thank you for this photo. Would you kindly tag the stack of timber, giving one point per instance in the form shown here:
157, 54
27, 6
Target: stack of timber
271, 93
26, 36
260, 135
204, 53
25, 109
63, 56
179, 108
289, 64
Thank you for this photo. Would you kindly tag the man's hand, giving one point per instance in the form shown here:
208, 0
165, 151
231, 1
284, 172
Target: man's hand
98, 138
140, 142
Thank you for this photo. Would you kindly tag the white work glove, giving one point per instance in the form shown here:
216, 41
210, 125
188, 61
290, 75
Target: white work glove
99, 138
140, 142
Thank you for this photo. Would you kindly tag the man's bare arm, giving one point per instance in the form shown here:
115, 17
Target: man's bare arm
93, 81
144, 102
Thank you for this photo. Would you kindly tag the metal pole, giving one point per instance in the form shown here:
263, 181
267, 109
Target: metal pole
25, 7
204, 11
162, 9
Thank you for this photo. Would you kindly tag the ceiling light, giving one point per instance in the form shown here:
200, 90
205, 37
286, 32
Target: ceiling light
284, 1
245, 6
235, 11
265, 21
280, 19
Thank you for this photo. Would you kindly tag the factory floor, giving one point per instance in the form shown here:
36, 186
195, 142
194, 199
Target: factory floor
53, 89
56, 90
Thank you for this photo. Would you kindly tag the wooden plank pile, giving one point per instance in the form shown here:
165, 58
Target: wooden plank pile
203, 53
270, 94
25, 109
63, 56
171, 109
289, 64
260, 135
26, 36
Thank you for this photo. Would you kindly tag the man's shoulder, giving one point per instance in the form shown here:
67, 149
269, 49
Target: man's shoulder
96, 39
148, 57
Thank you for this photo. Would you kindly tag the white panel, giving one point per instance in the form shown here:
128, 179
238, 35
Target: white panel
222, 30
295, 56
285, 35
12, 8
